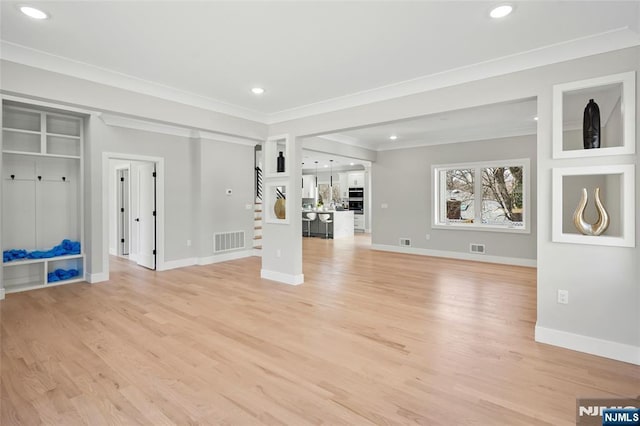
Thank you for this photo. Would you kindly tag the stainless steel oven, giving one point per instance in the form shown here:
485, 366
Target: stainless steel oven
356, 200
356, 205
357, 193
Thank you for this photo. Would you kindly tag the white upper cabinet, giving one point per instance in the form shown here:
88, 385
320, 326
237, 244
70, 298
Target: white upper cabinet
356, 180
308, 186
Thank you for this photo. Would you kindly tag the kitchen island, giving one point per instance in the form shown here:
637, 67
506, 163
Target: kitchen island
341, 227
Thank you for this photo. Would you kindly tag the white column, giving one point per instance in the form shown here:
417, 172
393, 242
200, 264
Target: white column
282, 238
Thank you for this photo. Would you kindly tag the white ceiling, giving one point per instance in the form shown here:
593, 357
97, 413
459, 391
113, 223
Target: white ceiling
324, 162
501, 120
309, 56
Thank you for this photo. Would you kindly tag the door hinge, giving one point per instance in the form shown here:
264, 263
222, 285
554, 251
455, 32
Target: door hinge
122, 240
121, 209
121, 179
154, 212
154, 174
154, 252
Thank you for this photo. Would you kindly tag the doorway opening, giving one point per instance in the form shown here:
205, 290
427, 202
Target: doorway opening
134, 226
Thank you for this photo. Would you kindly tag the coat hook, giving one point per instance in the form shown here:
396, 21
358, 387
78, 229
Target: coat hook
39, 177
13, 177
64, 179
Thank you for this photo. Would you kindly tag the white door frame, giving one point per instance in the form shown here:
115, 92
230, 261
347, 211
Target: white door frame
159, 162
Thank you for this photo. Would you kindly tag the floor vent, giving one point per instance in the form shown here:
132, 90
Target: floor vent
477, 248
405, 242
225, 241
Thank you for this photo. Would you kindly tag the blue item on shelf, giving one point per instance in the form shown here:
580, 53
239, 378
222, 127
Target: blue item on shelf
62, 275
9, 255
66, 248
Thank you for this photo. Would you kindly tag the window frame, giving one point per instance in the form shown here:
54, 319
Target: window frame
439, 196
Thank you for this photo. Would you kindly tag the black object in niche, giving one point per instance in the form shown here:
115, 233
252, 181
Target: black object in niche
591, 126
280, 166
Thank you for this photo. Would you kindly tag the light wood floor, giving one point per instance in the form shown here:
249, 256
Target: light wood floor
370, 338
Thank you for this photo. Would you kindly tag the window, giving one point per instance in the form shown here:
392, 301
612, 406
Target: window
490, 196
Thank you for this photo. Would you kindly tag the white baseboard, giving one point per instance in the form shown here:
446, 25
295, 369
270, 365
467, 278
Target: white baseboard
1, 293
590, 345
174, 264
257, 252
282, 277
190, 261
225, 257
96, 278
113, 252
516, 261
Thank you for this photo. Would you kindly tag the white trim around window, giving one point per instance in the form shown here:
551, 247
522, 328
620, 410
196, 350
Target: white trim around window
439, 220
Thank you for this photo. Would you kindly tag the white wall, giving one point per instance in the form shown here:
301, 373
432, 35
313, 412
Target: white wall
402, 179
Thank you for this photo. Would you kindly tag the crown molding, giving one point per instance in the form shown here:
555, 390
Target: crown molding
169, 129
595, 44
13, 52
617, 39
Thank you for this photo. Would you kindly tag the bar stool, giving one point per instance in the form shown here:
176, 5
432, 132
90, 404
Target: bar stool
326, 218
309, 217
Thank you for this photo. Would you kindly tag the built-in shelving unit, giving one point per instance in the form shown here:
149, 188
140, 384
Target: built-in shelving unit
42, 193
275, 182
615, 96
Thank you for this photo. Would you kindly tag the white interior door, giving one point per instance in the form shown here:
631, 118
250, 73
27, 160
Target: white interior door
146, 219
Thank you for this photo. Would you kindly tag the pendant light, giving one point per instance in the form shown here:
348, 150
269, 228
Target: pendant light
331, 176
316, 174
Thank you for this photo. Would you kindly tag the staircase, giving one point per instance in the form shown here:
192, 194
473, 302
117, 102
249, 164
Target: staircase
257, 225
257, 213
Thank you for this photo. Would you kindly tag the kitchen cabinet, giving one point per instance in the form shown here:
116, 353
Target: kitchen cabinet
358, 222
343, 179
308, 186
356, 180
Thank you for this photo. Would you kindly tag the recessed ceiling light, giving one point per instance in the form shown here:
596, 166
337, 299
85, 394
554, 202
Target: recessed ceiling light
326, 165
535, 118
258, 90
393, 137
34, 13
501, 11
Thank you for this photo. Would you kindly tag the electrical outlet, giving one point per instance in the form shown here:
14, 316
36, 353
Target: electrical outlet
563, 297
428, 237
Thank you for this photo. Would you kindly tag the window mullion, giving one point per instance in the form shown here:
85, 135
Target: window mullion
477, 195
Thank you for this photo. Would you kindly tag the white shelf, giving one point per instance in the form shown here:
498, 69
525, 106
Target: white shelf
620, 207
272, 147
48, 259
615, 95
62, 135
39, 154
29, 132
